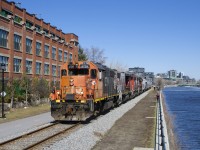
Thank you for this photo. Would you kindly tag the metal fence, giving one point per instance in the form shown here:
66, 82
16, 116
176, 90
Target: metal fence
161, 137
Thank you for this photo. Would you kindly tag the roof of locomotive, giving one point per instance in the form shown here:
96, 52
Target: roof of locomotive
100, 66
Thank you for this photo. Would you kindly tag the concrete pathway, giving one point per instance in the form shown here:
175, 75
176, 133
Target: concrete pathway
15, 127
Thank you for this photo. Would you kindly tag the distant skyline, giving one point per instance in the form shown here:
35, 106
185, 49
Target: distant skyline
157, 35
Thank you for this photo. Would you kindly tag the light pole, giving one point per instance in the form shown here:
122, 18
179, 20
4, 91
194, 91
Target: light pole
3, 92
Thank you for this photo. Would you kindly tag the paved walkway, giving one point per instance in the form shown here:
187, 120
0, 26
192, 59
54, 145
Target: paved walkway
15, 127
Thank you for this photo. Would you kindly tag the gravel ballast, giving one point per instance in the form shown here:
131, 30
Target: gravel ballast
86, 137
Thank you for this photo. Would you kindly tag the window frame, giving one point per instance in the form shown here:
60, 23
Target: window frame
29, 66
38, 48
4, 38
17, 42
60, 56
65, 56
38, 67
17, 65
46, 51
4, 60
93, 75
46, 70
53, 54
29, 46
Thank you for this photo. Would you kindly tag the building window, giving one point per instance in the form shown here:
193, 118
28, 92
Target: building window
38, 28
58, 71
17, 65
38, 68
70, 57
46, 69
17, 19
17, 42
60, 55
46, 51
46, 31
65, 56
53, 53
3, 38
53, 70
4, 60
5, 13
28, 66
38, 49
28, 46
53, 35
29, 24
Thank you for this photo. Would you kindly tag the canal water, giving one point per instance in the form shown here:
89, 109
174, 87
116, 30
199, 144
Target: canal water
183, 105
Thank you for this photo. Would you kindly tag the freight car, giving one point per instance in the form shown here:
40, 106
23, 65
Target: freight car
88, 88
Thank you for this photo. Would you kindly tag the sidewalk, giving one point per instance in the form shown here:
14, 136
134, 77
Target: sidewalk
13, 128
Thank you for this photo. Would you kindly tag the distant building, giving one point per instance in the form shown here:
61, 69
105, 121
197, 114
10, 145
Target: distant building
172, 74
30, 46
162, 75
149, 77
180, 75
137, 71
186, 78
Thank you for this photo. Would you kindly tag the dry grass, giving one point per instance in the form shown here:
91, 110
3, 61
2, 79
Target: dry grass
20, 113
152, 127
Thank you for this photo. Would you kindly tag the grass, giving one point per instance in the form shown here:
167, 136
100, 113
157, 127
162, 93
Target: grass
151, 140
20, 113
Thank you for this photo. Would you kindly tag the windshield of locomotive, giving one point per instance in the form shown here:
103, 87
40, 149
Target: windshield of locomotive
75, 72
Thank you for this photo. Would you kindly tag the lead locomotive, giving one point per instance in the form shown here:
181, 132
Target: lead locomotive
88, 88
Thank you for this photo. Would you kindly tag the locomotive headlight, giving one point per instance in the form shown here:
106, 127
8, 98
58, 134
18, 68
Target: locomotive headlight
83, 101
82, 92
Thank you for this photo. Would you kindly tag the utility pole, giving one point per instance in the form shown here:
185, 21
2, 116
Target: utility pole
3, 92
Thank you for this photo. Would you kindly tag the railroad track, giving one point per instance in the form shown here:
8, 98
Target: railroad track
37, 137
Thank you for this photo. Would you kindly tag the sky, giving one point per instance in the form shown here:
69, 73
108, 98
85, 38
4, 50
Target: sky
159, 35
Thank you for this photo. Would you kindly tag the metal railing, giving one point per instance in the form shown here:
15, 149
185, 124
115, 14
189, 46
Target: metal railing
161, 137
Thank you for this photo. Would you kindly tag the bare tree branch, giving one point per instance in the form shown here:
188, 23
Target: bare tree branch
96, 55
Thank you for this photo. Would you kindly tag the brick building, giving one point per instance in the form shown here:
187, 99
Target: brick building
28, 45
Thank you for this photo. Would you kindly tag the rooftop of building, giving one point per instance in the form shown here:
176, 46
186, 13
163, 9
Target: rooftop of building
33, 15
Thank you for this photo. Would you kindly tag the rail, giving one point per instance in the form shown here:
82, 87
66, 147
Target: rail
26, 134
161, 136
33, 141
50, 137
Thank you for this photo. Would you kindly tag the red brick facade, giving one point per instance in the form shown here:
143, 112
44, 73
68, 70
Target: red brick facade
22, 33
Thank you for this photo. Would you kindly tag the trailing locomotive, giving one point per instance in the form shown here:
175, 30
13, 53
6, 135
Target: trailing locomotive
88, 88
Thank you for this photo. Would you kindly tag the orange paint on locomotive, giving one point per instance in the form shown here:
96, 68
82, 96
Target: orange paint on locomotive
79, 82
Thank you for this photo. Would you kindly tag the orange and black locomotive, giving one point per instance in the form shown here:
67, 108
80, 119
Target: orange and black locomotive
88, 88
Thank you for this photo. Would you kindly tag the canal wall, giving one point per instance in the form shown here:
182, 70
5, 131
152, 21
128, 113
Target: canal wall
172, 137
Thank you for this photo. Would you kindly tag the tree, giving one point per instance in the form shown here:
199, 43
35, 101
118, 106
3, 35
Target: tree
82, 56
43, 87
118, 66
159, 83
12, 86
96, 55
25, 87
34, 89
39, 88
